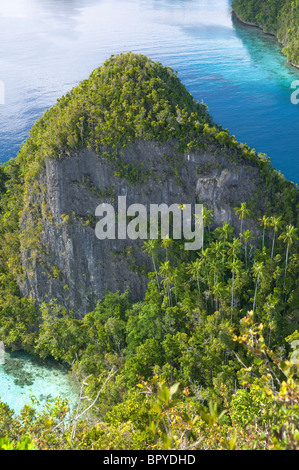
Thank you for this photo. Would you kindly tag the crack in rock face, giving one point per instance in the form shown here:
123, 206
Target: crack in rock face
76, 268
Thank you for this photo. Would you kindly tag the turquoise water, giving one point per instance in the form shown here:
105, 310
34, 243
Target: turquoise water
24, 376
48, 46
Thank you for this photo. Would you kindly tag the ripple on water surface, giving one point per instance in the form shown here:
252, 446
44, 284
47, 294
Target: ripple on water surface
48, 47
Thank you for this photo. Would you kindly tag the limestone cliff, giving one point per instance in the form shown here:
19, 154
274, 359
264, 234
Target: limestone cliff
130, 129
86, 268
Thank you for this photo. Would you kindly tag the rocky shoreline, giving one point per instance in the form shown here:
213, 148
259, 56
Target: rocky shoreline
269, 33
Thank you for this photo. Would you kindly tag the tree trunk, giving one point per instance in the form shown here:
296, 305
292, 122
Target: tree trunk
286, 267
255, 293
154, 264
232, 301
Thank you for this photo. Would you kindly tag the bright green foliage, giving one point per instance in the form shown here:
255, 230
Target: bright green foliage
157, 416
130, 97
24, 444
236, 370
59, 335
280, 17
192, 328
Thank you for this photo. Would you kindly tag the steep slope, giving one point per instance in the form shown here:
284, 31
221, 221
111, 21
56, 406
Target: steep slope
131, 129
209, 353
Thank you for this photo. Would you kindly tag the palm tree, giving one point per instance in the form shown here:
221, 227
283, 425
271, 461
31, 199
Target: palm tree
275, 222
218, 248
270, 307
194, 269
206, 217
150, 248
242, 212
217, 291
214, 271
165, 273
226, 231
224, 234
247, 236
234, 263
257, 269
166, 243
235, 266
218, 251
173, 280
265, 223
289, 237
205, 257
234, 248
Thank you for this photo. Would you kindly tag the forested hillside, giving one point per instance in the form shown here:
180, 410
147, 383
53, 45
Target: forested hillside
208, 358
279, 17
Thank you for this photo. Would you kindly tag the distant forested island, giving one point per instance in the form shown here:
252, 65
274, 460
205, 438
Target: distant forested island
278, 17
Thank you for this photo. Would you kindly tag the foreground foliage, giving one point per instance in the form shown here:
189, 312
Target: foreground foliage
208, 360
259, 416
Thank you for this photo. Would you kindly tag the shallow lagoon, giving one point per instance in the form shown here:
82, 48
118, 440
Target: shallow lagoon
23, 376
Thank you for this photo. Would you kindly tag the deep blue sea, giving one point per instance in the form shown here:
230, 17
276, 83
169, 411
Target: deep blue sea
48, 46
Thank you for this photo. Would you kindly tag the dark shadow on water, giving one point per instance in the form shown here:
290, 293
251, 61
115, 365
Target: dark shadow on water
16, 363
15, 368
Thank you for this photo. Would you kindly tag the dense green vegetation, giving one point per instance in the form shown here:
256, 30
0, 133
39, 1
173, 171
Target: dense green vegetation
209, 358
129, 98
279, 17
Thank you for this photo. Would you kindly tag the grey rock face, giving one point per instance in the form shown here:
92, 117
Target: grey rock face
75, 267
